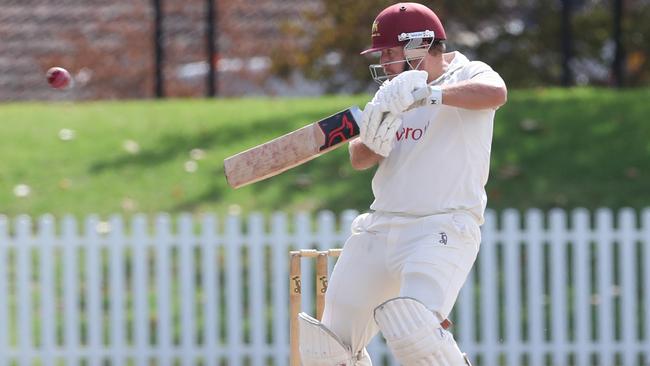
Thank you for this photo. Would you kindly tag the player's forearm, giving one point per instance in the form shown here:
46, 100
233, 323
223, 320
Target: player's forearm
474, 95
361, 157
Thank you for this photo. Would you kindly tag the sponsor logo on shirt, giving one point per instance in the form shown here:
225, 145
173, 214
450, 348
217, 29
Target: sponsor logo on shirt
410, 133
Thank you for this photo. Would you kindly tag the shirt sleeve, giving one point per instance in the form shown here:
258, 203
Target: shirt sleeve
480, 71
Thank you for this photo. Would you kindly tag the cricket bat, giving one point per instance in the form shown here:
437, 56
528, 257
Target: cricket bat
300, 146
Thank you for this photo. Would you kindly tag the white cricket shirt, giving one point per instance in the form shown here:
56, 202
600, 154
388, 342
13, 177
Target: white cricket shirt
441, 160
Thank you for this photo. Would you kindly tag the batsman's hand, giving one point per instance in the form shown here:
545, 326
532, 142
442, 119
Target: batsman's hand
396, 95
377, 130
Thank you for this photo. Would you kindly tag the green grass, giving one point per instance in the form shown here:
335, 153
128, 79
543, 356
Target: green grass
552, 147
582, 147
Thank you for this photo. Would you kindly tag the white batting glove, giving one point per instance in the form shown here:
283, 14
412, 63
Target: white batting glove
396, 95
382, 90
377, 130
385, 137
370, 121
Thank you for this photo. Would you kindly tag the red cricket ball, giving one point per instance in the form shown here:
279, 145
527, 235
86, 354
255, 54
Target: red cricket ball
58, 77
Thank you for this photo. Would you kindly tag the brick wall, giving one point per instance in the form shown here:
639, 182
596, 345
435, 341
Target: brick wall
108, 46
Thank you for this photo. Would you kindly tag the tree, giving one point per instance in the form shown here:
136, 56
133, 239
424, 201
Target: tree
523, 40
327, 43
636, 42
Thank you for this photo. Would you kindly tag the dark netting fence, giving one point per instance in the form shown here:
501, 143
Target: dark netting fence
194, 48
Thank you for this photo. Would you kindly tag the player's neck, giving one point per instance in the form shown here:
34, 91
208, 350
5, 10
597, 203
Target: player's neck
438, 65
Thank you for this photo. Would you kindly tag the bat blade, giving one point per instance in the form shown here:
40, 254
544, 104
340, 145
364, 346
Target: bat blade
295, 148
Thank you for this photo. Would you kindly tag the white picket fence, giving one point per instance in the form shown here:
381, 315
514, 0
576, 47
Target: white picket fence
557, 289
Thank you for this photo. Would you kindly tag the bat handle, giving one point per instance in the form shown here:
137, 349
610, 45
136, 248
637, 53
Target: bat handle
421, 93
421, 97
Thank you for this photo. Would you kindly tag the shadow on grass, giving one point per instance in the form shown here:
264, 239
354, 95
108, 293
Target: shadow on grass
170, 146
320, 181
326, 183
567, 152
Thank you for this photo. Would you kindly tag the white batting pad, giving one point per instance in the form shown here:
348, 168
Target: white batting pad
319, 346
414, 334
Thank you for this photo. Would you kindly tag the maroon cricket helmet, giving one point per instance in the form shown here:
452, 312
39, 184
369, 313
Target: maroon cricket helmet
403, 18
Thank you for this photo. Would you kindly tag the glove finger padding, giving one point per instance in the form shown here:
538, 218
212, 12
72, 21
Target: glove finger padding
363, 124
393, 123
413, 78
405, 95
380, 93
384, 140
388, 126
383, 99
396, 103
396, 96
370, 121
392, 126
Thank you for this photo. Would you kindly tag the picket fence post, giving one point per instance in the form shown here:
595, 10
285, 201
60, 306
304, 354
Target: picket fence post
4, 289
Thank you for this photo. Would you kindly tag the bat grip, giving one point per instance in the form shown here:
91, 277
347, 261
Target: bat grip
421, 97
421, 93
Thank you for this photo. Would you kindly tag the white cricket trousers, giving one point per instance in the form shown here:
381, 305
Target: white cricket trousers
426, 258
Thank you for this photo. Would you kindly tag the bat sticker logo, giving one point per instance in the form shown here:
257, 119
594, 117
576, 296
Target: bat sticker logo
338, 128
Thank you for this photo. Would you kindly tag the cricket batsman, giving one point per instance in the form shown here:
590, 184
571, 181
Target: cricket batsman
406, 260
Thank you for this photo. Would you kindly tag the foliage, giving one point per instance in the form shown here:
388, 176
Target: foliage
568, 148
636, 30
521, 40
340, 28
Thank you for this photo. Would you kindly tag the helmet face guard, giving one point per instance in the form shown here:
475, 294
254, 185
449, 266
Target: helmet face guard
415, 50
